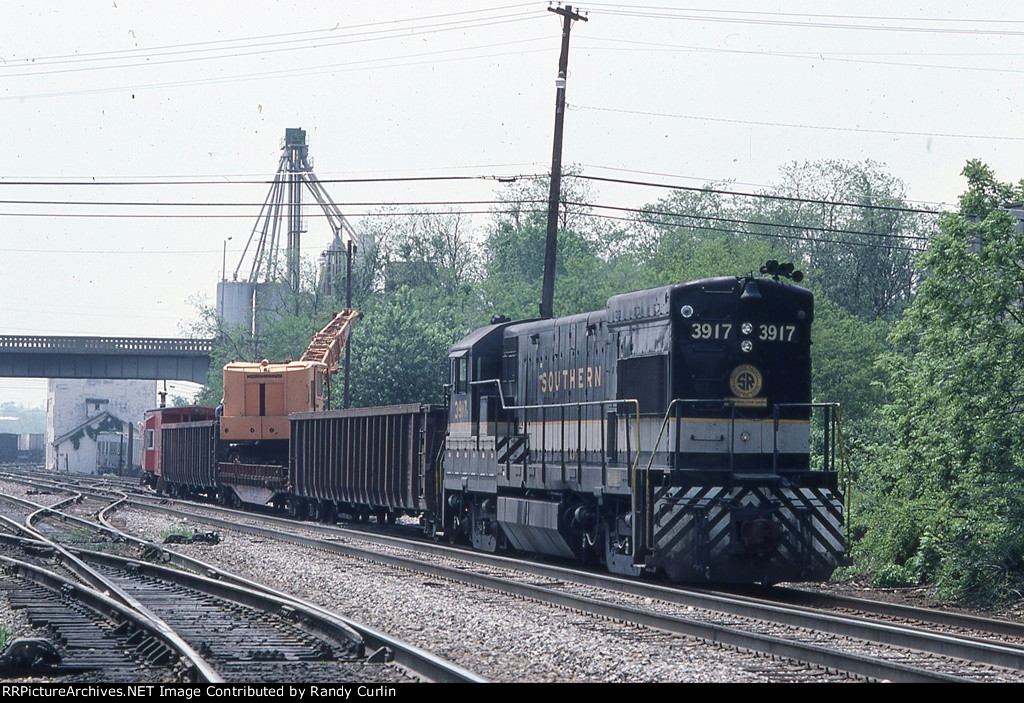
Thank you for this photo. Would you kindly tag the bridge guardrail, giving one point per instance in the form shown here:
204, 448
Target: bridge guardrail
99, 345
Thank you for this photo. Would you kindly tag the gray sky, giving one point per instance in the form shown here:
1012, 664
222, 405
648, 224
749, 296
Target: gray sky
128, 91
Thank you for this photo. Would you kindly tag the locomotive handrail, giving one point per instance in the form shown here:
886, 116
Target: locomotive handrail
636, 460
845, 475
580, 403
776, 415
668, 413
829, 419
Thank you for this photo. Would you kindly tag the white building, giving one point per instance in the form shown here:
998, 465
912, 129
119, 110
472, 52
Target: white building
93, 426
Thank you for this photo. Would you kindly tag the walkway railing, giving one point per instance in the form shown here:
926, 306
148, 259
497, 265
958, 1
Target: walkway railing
100, 345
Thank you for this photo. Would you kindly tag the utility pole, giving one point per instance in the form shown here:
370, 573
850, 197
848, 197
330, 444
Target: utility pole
350, 249
551, 243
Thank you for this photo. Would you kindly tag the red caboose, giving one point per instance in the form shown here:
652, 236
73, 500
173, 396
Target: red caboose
154, 420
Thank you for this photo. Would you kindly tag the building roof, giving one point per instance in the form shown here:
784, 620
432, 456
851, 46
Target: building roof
94, 420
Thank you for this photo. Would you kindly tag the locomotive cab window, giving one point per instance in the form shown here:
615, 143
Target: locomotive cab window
460, 373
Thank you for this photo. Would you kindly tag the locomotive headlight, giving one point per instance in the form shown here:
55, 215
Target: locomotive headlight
746, 345
747, 328
686, 311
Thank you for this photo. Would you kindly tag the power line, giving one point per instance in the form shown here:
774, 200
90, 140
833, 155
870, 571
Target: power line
358, 38
769, 235
449, 203
382, 179
225, 177
645, 216
759, 223
791, 125
663, 13
774, 13
244, 216
73, 58
347, 67
796, 53
753, 195
500, 179
310, 206
825, 56
706, 180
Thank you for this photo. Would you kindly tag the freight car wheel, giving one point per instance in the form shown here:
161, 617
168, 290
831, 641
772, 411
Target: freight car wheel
328, 512
295, 508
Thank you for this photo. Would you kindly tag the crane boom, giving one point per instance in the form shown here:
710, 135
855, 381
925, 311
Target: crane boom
328, 343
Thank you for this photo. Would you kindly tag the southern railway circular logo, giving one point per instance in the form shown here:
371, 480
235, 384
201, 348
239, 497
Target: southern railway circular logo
745, 381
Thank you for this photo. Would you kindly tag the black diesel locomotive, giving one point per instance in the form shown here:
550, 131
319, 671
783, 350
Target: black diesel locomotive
668, 433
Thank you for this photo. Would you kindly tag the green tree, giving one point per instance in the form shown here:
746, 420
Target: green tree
944, 498
400, 348
586, 271
861, 254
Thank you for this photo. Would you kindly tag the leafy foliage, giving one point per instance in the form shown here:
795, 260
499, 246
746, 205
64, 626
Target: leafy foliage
944, 490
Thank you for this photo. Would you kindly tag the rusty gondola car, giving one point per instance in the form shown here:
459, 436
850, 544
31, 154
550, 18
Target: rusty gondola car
380, 461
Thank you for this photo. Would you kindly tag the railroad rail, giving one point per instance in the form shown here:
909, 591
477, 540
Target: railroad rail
109, 639
878, 666
339, 633
976, 644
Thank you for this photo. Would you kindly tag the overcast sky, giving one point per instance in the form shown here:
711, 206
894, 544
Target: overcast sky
130, 92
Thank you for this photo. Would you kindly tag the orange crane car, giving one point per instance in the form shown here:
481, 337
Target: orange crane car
259, 396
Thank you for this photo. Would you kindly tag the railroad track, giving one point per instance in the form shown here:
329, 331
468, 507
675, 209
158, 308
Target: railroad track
103, 641
832, 641
238, 630
924, 649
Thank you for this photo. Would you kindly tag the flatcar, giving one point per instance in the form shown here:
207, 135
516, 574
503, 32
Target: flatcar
669, 433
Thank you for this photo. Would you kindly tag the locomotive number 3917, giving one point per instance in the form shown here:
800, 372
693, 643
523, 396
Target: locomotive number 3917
706, 330
723, 330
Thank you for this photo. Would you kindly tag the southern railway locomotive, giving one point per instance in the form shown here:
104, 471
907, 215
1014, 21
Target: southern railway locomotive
670, 432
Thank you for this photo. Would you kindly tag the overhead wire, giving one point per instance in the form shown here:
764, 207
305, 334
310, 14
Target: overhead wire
825, 56
358, 38
651, 212
816, 240
348, 67
904, 18
644, 215
767, 196
709, 181
487, 177
663, 13
762, 123
437, 203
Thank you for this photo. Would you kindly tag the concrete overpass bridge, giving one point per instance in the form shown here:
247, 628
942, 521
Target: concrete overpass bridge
105, 357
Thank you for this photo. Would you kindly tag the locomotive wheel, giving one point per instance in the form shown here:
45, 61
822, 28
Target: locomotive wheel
236, 502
